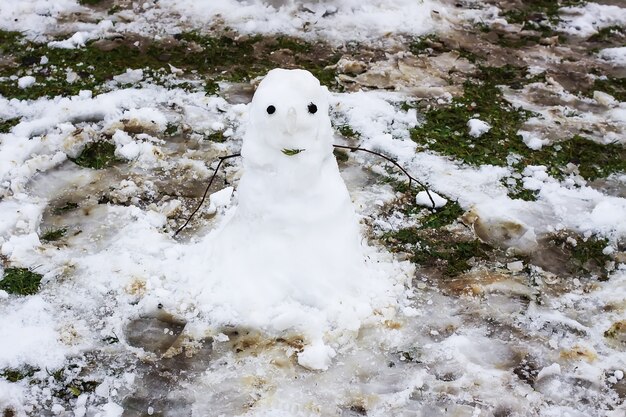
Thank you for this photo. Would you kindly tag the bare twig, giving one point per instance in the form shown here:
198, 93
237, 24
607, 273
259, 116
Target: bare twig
356, 148
222, 159
352, 148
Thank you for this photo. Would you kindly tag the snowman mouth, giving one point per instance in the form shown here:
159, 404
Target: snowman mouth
292, 152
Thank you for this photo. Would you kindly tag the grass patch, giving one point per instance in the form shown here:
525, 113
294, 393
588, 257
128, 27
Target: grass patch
171, 129
586, 255
440, 250
538, 11
613, 86
9, 42
7, 124
20, 281
53, 235
68, 384
445, 131
442, 217
212, 57
347, 132
430, 219
68, 206
424, 43
16, 375
516, 191
340, 155
593, 159
114, 9
97, 155
607, 34
217, 136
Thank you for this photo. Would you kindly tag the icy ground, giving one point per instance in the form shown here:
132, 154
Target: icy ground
112, 117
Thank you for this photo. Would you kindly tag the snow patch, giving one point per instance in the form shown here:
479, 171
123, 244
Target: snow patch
477, 127
587, 19
615, 55
422, 199
26, 81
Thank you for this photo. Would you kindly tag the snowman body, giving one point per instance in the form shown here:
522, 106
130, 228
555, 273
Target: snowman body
294, 230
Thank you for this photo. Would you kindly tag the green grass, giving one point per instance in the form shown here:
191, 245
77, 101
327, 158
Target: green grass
423, 43
445, 131
53, 235
65, 207
613, 86
538, 10
20, 281
212, 57
607, 34
7, 124
442, 216
9, 42
97, 155
440, 250
348, 132
171, 129
586, 256
292, 152
518, 192
15, 375
340, 155
217, 137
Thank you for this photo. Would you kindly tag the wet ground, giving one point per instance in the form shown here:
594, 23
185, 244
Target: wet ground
509, 315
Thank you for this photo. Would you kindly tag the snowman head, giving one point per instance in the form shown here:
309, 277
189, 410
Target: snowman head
289, 111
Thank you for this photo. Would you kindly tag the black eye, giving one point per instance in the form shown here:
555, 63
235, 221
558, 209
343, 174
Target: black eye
271, 109
312, 108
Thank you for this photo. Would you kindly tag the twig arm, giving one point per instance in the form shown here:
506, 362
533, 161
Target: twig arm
356, 148
219, 164
352, 148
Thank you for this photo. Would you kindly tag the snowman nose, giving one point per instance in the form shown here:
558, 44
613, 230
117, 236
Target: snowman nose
292, 119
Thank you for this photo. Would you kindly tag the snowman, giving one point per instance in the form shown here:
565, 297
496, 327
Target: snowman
290, 251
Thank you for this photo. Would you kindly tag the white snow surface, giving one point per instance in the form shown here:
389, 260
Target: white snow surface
616, 56
26, 81
333, 20
477, 127
587, 19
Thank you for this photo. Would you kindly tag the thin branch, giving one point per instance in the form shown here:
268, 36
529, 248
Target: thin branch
222, 159
356, 148
352, 148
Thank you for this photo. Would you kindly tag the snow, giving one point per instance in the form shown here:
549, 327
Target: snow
532, 140
554, 369
477, 127
131, 76
334, 20
26, 81
316, 356
34, 16
616, 56
318, 240
393, 341
27, 329
585, 20
423, 200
